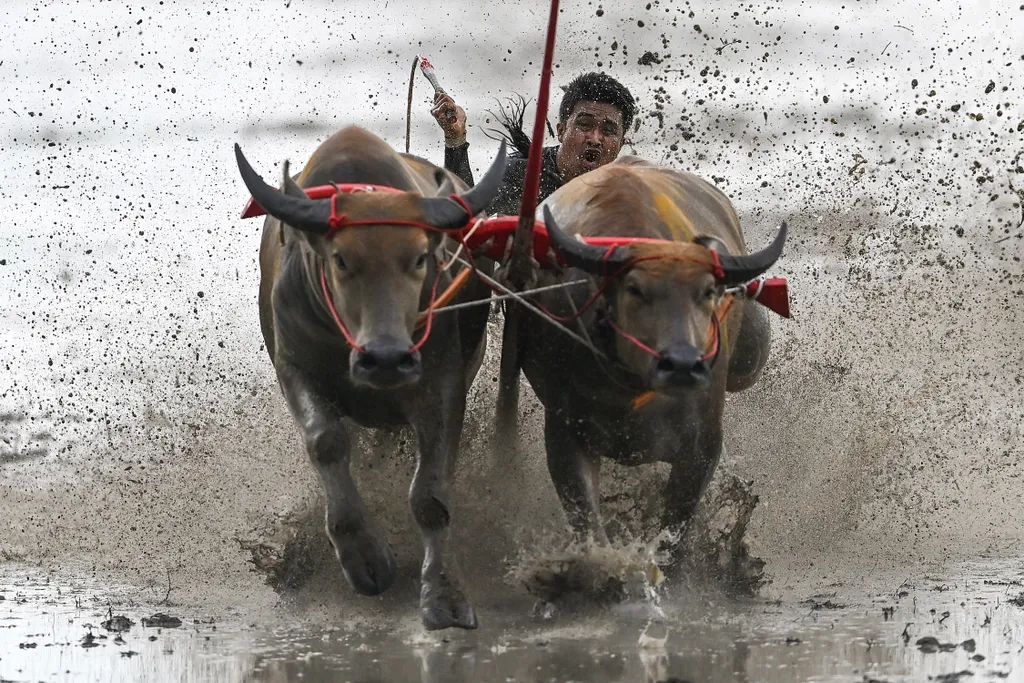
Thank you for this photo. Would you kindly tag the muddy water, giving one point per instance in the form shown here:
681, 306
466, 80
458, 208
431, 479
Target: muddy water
964, 621
144, 442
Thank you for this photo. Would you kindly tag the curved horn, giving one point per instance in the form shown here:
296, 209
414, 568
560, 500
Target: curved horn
740, 269
306, 214
445, 214
586, 257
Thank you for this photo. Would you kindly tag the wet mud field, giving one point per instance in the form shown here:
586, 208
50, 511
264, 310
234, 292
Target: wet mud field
963, 622
868, 501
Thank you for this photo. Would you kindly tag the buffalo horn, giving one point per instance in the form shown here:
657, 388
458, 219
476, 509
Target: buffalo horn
303, 213
445, 214
586, 257
740, 269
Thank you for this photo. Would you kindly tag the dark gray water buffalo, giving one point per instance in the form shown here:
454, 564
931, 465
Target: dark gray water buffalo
343, 283
675, 340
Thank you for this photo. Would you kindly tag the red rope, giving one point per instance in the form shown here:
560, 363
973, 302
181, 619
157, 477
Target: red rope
334, 313
348, 335
338, 221
715, 342
430, 314
633, 340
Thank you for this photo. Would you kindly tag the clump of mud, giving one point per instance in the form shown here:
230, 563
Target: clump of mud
601, 574
715, 546
286, 548
712, 549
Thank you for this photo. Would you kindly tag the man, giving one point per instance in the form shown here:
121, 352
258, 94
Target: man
595, 113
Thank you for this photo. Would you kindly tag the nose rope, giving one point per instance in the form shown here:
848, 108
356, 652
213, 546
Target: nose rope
425, 319
334, 313
430, 314
714, 343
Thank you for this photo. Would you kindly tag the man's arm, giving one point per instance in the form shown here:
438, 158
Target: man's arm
452, 119
456, 160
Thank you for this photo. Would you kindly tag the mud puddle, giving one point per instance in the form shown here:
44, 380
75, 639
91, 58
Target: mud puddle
964, 623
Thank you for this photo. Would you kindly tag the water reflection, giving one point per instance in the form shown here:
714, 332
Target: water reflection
872, 633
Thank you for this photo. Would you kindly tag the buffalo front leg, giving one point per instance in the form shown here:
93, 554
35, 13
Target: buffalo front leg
443, 604
690, 475
365, 556
575, 473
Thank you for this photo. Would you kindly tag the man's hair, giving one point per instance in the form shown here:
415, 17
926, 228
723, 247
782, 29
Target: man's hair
597, 87
593, 86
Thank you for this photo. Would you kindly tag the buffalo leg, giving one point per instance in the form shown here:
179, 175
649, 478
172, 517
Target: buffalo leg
690, 475
575, 473
365, 556
442, 601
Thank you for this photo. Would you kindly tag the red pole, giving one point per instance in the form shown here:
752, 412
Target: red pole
531, 185
520, 265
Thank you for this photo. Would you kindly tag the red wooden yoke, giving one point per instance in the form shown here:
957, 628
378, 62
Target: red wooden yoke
773, 293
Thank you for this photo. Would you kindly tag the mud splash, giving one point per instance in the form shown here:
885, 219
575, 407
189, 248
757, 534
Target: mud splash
289, 550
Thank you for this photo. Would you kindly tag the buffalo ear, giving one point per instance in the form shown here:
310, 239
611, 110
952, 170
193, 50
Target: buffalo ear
289, 185
445, 186
712, 243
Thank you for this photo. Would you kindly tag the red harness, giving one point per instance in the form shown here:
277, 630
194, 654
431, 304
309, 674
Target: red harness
338, 221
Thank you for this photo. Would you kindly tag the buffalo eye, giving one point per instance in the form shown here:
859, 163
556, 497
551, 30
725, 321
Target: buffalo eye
421, 262
710, 293
340, 262
634, 291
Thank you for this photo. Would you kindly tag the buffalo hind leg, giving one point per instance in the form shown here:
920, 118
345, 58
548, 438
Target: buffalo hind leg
365, 556
443, 604
575, 473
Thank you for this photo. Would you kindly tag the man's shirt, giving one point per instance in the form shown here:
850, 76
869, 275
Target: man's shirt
510, 194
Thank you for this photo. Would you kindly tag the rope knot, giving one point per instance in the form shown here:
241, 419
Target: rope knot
336, 220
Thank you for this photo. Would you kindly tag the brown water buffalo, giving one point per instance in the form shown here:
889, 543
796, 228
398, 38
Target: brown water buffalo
342, 285
659, 391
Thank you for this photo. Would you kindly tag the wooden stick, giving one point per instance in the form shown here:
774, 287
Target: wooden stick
408, 111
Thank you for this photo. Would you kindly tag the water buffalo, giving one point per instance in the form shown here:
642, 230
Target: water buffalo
673, 339
343, 281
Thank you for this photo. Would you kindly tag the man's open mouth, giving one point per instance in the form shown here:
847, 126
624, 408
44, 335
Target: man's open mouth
591, 156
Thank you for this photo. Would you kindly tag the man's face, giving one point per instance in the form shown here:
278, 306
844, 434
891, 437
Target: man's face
591, 137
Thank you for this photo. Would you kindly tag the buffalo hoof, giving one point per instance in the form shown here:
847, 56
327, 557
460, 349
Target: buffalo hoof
368, 562
441, 609
441, 616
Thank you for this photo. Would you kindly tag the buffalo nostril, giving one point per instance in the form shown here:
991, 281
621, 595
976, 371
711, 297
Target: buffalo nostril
366, 362
666, 365
408, 362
